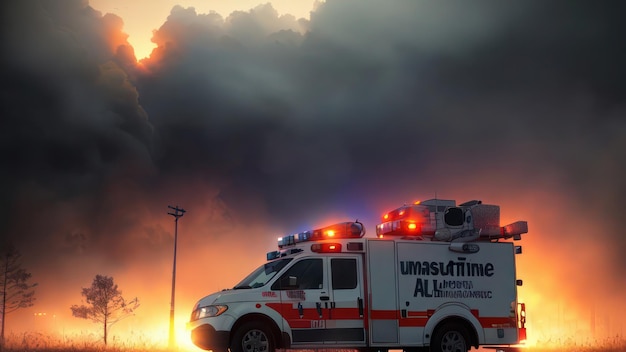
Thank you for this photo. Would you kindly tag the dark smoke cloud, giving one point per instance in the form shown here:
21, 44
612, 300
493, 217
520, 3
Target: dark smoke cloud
362, 107
71, 117
370, 88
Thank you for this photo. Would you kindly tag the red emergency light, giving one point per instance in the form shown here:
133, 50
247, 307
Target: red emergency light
415, 211
349, 229
408, 220
399, 228
326, 247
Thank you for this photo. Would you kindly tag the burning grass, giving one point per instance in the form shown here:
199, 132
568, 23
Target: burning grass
38, 342
613, 344
34, 341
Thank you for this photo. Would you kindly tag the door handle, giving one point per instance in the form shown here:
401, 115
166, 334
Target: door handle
324, 298
360, 304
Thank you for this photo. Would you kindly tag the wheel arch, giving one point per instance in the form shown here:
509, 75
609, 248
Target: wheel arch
457, 313
275, 330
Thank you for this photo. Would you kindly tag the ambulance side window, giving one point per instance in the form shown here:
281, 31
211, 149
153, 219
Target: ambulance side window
309, 274
344, 273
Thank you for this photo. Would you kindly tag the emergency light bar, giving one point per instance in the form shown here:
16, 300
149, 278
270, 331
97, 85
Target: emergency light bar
443, 220
409, 220
349, 229
285, 252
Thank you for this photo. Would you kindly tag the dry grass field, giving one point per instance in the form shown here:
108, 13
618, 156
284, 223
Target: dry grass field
37, 342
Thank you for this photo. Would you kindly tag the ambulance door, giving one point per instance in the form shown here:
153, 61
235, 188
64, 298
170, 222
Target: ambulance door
345, 322
303, 290
382, 286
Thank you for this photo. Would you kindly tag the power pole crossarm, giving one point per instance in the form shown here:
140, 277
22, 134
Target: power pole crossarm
178, 212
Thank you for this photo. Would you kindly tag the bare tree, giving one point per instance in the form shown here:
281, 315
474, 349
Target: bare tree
105, 304
15, 289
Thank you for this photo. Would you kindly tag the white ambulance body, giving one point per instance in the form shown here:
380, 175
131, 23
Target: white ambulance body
405, 289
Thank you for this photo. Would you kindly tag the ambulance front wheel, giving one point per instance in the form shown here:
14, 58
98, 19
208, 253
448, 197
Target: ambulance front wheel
253, 337
450, 337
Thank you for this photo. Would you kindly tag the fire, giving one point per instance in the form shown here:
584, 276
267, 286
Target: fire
569, 288
142, 331
157, 334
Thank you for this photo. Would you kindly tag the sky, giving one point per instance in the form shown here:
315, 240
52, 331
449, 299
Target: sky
259, 124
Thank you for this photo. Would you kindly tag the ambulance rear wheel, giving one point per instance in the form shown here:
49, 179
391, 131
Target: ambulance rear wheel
253, 337
450, 337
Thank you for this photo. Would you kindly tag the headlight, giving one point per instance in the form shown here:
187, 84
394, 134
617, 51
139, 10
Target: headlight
208, 311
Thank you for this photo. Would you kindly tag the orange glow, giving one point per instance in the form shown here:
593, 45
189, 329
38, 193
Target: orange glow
141, 17
330, 233
386, 216
412, 226
144, 270
571, 293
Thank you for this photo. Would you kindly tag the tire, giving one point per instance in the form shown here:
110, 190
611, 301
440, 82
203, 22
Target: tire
253, 337
450, 337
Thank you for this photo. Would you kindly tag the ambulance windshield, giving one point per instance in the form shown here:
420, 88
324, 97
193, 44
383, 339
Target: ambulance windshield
263, 274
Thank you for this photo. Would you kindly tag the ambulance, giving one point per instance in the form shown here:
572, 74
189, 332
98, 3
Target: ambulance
437, 277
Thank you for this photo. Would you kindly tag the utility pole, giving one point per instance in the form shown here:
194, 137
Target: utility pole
178, 213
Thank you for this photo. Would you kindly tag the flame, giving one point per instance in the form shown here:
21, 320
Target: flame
569, 288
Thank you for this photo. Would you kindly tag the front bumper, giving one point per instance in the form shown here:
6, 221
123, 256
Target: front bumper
207, 338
